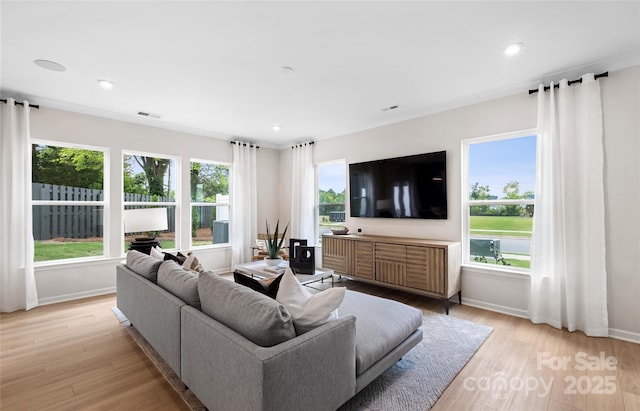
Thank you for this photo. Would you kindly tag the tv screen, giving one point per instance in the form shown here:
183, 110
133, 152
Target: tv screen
402, 187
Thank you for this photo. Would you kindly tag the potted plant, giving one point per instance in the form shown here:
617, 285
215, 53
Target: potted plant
273, 244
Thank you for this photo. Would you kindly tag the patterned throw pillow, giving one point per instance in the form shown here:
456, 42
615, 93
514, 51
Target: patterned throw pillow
178, 258
268, 286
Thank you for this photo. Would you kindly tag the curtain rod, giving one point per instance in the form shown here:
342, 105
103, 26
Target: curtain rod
302, 144
4, 100
597, 76
244, 144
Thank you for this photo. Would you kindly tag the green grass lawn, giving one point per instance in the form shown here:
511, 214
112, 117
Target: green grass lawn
52, 250
512, 262
60, 250
501, 226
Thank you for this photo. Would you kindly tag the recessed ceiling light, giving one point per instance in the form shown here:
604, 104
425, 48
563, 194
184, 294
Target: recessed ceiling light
513, 49
286, 70
49, 65
389, 108
106, 84
276, 127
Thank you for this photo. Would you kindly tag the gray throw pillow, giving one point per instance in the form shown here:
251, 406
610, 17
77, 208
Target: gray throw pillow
144, 265
258, 318
179, 282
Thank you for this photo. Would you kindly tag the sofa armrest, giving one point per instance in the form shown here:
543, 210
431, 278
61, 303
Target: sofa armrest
313, 371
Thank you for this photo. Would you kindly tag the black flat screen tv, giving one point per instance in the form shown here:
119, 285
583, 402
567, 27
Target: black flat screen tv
402, 187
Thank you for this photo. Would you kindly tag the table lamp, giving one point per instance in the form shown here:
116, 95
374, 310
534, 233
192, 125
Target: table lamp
145, 220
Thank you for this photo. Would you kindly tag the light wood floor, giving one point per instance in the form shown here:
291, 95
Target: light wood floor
75, 356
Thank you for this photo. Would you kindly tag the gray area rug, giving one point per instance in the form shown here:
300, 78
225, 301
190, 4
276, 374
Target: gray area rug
412, 384
416, 381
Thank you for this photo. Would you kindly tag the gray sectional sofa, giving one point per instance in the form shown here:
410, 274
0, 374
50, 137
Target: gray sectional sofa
237, 349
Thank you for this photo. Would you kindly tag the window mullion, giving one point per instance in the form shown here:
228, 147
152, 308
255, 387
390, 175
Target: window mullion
521, 201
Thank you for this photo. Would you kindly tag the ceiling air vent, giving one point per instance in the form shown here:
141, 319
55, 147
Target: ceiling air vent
145, 114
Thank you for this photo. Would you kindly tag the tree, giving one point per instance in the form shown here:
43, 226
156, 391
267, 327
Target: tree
331, 197
73, 167
133, 183
213, 178
479, 192
330, 201
154, 168
512, 192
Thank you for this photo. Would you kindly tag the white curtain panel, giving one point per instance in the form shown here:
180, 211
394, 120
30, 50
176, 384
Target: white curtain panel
17, 280
303, 193
568, 262
244, 210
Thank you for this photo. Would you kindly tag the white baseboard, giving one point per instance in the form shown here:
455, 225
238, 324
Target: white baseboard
495, 307
76, 296
624, 335
613, 333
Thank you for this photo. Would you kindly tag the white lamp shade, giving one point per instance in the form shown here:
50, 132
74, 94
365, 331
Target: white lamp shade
145, 219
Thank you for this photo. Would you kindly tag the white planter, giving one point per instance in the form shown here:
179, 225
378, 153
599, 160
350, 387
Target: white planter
273, 261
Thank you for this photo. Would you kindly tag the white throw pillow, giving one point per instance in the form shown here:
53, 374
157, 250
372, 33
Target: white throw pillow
308, 310
157, 253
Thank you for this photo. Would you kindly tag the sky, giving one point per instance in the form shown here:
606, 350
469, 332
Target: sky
332, 176
498, 162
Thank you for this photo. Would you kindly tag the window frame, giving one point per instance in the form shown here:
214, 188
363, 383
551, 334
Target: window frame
104, 203
317, 235
467, 203
176, 200
205, 204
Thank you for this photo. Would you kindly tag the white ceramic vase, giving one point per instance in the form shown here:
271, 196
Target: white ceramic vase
273, 261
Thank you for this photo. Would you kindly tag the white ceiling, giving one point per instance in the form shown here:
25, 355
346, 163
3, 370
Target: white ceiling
214, 68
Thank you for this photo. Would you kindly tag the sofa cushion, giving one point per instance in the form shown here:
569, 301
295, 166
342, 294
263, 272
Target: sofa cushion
179, 282
381, 325
308, 310
258, 318
267, 286
144, 265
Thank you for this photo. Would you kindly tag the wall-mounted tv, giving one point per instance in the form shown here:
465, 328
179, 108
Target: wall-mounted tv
402, 187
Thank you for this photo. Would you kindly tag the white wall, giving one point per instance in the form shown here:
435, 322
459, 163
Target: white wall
499, 290
62, 281
621, 106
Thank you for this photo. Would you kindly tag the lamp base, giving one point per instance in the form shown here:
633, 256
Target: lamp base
144, 244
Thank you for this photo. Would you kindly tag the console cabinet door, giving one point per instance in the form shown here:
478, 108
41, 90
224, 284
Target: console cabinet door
426, 268
337, 254
364, 260
390, 263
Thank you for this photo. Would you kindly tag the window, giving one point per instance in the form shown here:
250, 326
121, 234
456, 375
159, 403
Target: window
68, 201
209, 203
150, 181
331, 179
498, 206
